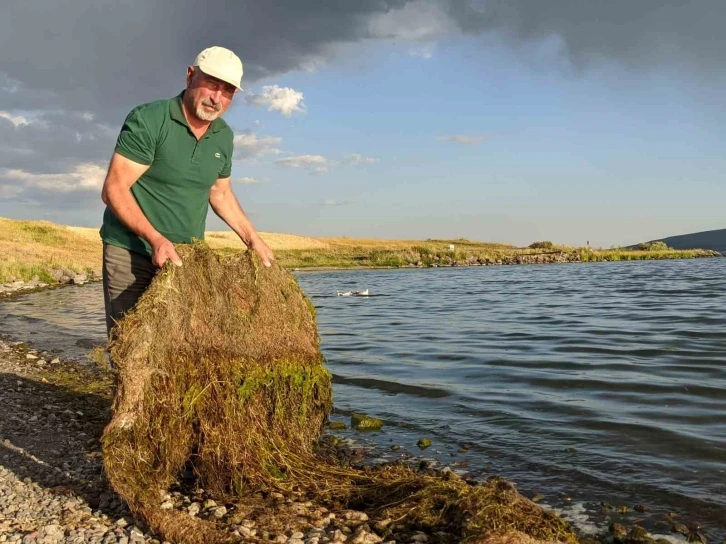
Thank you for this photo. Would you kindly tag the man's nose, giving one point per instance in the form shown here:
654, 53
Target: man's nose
216, 96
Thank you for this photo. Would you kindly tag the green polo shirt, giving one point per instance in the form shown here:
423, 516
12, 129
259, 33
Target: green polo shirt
174, 192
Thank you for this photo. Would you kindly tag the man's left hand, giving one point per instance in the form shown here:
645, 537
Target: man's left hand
262, 249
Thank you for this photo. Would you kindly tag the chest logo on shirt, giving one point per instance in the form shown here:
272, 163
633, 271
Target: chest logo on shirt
218, 155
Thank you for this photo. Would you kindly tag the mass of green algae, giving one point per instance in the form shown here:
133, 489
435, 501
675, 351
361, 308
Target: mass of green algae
220, 367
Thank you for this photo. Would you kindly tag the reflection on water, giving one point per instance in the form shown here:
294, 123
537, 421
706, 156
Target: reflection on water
602, 382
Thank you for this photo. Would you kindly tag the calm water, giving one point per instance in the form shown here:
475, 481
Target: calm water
585, 383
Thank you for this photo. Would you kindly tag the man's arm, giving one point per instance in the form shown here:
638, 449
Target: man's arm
122, 174
226, 206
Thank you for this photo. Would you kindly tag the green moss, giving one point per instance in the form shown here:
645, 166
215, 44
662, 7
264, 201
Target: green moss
362, 422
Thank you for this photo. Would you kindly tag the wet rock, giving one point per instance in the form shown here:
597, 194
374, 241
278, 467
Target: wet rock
423, 443
363, 422
681, 529
337, 425
618, 531
537, 498
641, 508
637, 535
697, 536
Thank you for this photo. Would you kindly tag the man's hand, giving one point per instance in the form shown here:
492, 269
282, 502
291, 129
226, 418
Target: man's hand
162, 250
265, 253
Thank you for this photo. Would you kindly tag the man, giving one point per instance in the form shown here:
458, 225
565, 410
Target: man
172, 157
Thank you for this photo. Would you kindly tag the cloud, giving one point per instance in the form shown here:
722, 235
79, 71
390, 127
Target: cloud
425, 51
330, 202
249, 145
413, 21
249, 181
70, 190
71, 89
281, 99
85, 177
53, 142
355, 159
315, 164
16, 120
462, 139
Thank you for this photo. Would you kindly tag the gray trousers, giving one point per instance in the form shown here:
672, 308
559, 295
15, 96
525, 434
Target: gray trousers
126, 275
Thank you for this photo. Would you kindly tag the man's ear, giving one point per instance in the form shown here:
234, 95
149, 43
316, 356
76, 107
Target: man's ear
190, 75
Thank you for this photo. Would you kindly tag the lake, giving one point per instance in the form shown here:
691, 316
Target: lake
585, 383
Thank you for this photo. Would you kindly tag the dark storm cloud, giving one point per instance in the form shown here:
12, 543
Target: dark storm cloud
635, 33
63, 58
54, 142
105, 56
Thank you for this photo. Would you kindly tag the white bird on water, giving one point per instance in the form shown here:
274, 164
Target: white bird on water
363, 293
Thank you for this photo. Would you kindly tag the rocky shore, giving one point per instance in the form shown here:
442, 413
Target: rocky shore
61, 276
53, 487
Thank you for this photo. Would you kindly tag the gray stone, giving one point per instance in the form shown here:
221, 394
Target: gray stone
219, 512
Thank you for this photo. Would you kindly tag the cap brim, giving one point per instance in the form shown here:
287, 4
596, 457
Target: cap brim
218, 75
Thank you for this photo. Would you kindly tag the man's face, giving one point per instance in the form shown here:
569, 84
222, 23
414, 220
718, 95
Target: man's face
208, 97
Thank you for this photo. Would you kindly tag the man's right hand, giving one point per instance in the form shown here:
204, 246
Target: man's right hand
162, 250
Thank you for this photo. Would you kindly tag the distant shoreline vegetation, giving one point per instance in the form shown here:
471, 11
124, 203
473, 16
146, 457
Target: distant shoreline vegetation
39, 249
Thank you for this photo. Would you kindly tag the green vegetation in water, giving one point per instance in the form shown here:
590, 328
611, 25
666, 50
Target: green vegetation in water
424, 443
362, 422
438, 254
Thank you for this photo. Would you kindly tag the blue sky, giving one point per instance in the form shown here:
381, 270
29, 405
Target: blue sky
413, 119
608, 154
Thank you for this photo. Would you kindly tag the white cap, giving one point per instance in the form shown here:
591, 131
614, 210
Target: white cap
221, 63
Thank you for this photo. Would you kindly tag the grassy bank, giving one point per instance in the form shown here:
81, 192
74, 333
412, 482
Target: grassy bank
35, 248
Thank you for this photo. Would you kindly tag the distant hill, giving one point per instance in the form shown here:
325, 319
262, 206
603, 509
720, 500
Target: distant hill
710, 239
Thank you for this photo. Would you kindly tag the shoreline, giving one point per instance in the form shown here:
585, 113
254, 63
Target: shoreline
53, 487
51, 468
44, 252
65, 279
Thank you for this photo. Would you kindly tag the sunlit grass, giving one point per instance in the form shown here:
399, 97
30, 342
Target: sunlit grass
34, 248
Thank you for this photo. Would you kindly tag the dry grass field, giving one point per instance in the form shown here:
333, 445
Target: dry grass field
34, 248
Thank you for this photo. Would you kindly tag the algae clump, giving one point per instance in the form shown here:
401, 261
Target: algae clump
362, 422
219, 366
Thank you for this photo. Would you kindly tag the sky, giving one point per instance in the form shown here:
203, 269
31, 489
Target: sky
495, 120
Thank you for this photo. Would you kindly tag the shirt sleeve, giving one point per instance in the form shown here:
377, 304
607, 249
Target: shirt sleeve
135, 141
226, 169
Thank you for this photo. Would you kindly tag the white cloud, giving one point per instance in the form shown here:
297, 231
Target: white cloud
355, 159
284, 100
331, 202
249, 145
462, 139
302, 161
85, 177
246, 180
315, 164
424, 51
16, 120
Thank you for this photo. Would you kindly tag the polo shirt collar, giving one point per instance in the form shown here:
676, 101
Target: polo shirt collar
177, 113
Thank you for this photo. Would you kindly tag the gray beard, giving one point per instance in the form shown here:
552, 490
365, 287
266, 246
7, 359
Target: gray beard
206, 115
